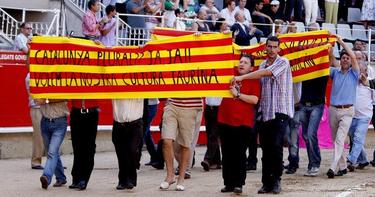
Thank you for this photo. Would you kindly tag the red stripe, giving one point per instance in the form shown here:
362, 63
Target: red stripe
300, 48
308, 57
317, 67
188, 106
307, 37
174, 33
130, 88
135, 62
189, 44
78, 47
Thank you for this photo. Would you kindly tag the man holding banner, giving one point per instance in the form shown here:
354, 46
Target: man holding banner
276, 107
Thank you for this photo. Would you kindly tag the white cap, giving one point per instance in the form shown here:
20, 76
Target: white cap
275, 2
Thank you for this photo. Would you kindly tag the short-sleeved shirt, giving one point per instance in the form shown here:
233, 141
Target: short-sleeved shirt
229, 16
89, 22
135, 21
109, 39
127, 110
344, 86
277, 90
55, 110
235, 112
20, 42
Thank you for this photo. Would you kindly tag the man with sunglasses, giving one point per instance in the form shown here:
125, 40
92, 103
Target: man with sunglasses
21, 42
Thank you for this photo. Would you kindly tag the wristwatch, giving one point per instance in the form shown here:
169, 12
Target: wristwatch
47, 101
238, 95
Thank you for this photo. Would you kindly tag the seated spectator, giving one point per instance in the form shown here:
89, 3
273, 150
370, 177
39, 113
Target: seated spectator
246, 12
292, 28
243, 34
273, 11
221, 26
278, 27
179, 23
200, 25
169, 15
228, 12
211, 10
22, 40
259, 17
153, 8
359, 45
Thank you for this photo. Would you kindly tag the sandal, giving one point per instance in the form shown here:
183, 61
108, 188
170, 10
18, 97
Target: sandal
165, 185
180, 187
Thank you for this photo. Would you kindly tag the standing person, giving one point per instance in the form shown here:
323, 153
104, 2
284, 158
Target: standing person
311, 11
126, 136
212, 158
53, 126
90, 25
368, 11
236, 119
152, 105
331, 11
21, 42
36, 117
358, 129
108, 31
154, 8
345, 76
180, 120
296, 6
276, 109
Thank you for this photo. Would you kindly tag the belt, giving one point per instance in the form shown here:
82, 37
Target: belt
91, 37
85, 110
309, 104
52, 119
124, 124
342, 106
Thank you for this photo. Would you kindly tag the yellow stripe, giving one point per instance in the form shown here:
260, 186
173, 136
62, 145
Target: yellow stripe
132, 69
120, 82
311, 75
123, 95
190, 37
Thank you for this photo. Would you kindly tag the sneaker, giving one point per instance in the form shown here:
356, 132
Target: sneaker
361, 166
372, 163
291, 170
313, 172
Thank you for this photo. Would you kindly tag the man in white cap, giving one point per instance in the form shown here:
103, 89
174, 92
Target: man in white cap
273, 11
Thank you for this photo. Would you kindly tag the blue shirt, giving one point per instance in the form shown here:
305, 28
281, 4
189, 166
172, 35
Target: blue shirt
344, 86
135, 21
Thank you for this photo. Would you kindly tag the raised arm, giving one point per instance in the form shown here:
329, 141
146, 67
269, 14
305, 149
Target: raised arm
350, 52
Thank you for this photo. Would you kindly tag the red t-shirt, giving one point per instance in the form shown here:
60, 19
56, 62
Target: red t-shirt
235, 112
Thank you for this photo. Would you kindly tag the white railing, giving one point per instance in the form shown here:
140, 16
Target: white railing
8, 25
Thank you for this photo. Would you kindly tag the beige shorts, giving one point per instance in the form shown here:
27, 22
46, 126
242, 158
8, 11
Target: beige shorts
179, 124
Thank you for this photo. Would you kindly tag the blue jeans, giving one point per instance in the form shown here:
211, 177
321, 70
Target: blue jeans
357, 133
293, 139
310, 117
152, 109
53, 133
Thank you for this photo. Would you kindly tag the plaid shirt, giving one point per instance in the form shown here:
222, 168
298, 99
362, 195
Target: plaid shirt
277, 90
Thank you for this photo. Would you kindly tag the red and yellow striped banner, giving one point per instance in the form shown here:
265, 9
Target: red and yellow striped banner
185, 66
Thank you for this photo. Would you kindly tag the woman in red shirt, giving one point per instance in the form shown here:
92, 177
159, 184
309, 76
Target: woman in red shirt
236, 119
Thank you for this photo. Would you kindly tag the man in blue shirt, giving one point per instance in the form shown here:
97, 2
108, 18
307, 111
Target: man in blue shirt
345, 76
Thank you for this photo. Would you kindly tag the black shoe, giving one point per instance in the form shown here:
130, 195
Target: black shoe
73, 186
129, 186
44, 182
159, 166
264, 190
227, 189
121, 186
330, 174
350, 167
37, 167
361, 166
291, 170
205, 165
237, 190
81, 185
149, 163
59, 183
276, 189
251, 167
372, 163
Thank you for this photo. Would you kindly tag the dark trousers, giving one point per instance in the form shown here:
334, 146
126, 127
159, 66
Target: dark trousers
126, 137
233, 147
152, 109
271, 135
212, 155
295, 5
252, 145
84, 127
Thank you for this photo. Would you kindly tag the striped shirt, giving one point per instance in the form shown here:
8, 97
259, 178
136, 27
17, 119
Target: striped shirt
196, 103
277, 90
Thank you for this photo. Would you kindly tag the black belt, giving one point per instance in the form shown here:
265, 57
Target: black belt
123, 124
52, 119
93, 38
342, 106
85, 110
310, 104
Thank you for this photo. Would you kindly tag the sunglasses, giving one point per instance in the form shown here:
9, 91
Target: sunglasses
28, 28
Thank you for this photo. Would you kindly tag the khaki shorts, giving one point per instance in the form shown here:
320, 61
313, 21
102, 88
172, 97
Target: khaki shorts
179, 124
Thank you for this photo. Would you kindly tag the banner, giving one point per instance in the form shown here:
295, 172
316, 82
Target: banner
307, 52
185, 66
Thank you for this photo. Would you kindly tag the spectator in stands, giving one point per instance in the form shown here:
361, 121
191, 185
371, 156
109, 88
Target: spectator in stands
311, 11
259, 17
242, 34
200, 24
169, 14
53, 126
368, 11
136, 7
273, 11
313, 27
221, 26
246, 12
331, 11
345, 76
228, 12
37, 140
359, 45
359, 126
278, 27
179, 125
211, 10
126, 136
22, 40
236, 120
108, 31
154, 8
179, 23
90, 25
276, 109
295, 5
292, 28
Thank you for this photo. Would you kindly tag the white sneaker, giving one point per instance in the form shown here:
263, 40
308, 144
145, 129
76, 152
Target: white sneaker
313, 172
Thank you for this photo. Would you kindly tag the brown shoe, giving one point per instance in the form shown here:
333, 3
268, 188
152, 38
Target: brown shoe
59, 183
44, 182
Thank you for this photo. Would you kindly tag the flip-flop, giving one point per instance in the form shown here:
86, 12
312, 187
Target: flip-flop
180, 187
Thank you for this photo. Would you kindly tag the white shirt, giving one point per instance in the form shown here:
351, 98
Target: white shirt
229, 16
209, 11
127, 110
363, 105
180, 24
370, 72
213, 101
246, 13
20, 42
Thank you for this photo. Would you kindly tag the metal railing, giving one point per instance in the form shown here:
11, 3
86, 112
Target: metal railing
8, 25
